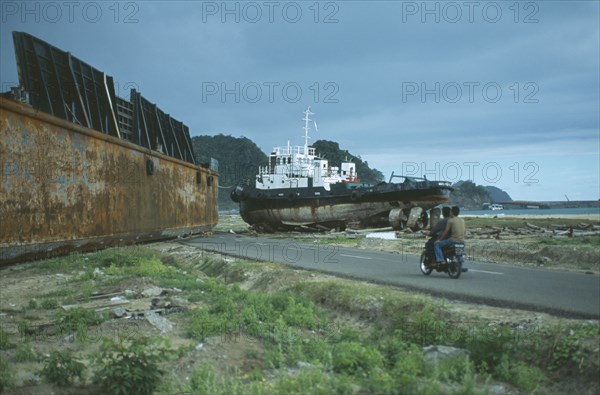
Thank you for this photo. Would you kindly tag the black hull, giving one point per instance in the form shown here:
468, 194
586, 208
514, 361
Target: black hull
367, 205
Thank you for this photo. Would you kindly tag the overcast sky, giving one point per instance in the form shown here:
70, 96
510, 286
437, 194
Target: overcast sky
504, 93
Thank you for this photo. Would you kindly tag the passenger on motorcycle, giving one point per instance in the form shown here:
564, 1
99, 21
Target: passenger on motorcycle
455, 233
437, 230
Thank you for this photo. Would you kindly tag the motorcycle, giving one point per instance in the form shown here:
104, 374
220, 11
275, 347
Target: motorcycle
454, 257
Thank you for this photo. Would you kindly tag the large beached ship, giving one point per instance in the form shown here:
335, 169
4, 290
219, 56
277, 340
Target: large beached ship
84, 169
300, 190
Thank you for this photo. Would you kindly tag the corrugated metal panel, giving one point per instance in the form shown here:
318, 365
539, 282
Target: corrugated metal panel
158, 131
64, 86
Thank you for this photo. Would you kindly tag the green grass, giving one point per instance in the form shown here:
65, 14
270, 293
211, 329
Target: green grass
59, 292
291, 329
78, 320
24, 353
5, 343
230, 308
49, 304
7, 376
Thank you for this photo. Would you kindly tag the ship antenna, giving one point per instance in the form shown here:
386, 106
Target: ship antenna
306, 128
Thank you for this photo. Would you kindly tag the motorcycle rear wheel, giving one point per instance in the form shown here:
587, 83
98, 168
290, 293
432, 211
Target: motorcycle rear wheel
426, 270
455, 268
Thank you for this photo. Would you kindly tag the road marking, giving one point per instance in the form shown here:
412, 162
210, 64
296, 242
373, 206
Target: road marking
356, 256
484, 271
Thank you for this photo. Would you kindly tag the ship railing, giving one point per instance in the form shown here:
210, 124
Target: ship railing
291, 171
294, 150
407, 178
421, 182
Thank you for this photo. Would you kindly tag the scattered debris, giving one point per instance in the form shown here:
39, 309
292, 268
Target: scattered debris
105, 296
118, 312
436, 353
161, 323
152, 291
497, 389
305, 365
382, 235
544, 260
582, 230
95, 305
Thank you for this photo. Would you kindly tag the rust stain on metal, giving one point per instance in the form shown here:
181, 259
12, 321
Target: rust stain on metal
65, 187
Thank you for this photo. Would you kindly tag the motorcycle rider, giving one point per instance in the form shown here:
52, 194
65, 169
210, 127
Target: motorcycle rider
455, 231
437, 230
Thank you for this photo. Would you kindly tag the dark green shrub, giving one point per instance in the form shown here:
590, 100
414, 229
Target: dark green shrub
314, 382
487, 344
130, 366
354, 358
318, 351
75, 317
520, 374
78, 320
575, 349
204, 324
4, 343
299, 315
61, 369
24, 353
49, 304
6, 376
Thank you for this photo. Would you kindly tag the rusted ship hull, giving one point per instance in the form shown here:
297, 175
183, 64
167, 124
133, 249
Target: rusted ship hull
66, 187
362, 205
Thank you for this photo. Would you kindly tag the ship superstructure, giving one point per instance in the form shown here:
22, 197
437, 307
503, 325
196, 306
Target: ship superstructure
299, 167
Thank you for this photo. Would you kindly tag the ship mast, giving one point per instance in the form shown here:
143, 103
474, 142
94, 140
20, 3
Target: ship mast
306, 128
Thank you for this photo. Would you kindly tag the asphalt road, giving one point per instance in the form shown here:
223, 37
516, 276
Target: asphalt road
568, 294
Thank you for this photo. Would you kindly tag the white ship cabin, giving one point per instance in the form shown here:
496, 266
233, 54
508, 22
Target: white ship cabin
300, 167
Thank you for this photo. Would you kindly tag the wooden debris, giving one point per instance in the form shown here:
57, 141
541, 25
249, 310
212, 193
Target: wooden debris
372, 230
582, 233
96, 306
533, 226
104, 296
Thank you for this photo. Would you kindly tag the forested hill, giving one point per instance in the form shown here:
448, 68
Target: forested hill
471, 196
468, 195
239, 159
331, 151
497, 195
